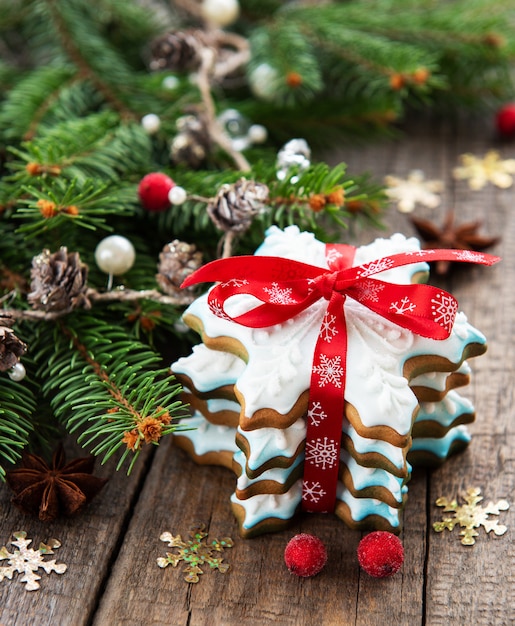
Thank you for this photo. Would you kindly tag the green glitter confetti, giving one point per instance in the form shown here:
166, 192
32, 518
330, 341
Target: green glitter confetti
195, 552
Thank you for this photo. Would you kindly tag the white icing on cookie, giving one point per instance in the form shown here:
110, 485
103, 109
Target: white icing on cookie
268, 443
264, 506
364, 477
440, 446
207, 437
209, 369
446, 411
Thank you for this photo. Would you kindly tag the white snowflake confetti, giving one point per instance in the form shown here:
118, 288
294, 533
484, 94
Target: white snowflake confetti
370, 290
322, 453
27, 561
329, 370
413, 190
312, 491
279, 295
328, 329
404, 306
375, 267
316, 414
489, 169
234, 282
444, 309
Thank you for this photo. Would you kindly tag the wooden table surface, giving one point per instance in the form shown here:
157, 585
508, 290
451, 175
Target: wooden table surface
111, 549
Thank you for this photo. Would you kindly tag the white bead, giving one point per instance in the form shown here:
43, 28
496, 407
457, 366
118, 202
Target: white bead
151, 123
171, 82
17, 372
115, 255
220, 12
177, 195
257, 133
263, 81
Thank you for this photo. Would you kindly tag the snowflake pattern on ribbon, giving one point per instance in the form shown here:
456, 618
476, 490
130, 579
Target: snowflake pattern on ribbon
471, 256
27, 561
312, 491
217, 308
332, 256
330, 371
279, 295
370, 290
234, 282
404, 306
444, 309
375, 267
316, 414
328, 328
323, 453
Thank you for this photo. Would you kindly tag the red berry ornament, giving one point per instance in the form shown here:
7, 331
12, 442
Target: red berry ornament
153, 190
380, 554
305, 555
505, 121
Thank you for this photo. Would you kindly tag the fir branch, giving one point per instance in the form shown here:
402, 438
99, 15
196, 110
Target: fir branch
111, 386
17, 404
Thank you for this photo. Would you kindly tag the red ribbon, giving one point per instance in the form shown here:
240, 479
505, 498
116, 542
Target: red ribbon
285, 288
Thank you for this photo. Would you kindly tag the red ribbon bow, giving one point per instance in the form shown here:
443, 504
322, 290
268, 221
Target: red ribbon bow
285, 288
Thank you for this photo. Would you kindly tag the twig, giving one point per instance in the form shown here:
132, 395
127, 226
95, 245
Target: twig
214, 128
115, 295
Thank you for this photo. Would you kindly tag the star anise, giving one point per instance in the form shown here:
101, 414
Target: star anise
449, 235
60, 488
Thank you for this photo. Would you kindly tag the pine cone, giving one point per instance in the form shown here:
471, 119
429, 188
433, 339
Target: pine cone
192, 143
235, 206
58, 281
177, 51
11, 349
176, 261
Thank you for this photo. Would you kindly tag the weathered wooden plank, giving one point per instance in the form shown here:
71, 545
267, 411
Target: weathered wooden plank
89, 542
258, 589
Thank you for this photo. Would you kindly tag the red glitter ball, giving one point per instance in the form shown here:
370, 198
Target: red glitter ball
505, 121
380, 554
153, 190
305, 555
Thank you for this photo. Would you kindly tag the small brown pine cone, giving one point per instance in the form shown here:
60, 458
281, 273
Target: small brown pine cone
235, 206
177, 51
58, 281
11, 349
192, 144
176, 262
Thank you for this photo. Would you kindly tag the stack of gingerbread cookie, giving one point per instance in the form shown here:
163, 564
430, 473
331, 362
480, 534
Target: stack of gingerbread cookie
249, 390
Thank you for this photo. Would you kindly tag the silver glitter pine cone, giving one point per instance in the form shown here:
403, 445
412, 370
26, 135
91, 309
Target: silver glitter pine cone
177, 51
177, 261
58, 281
235, 206
11, 348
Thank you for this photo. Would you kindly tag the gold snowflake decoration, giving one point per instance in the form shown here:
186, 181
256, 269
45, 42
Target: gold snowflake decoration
471, 515
412, 190
27, 561
489, 169
195, 553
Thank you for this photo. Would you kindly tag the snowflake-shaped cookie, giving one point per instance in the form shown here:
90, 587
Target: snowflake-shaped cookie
413, 190
195, 553
27, 561
471, 515
488, 169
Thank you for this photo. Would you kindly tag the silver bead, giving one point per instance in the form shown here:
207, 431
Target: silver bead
17, 372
